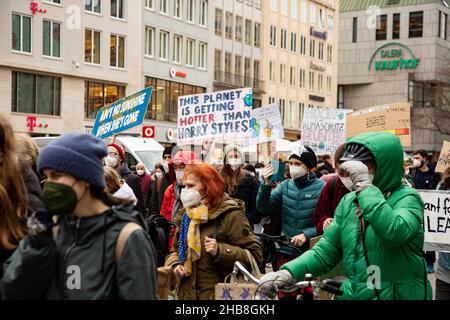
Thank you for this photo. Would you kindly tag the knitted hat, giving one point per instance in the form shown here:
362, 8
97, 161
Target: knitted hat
306, 155
119, 150
79, 155
231, 147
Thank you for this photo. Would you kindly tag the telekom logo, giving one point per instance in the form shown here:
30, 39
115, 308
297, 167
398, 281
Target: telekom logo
31, 123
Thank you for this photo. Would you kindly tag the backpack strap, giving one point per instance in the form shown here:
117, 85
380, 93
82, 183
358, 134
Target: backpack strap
124, 234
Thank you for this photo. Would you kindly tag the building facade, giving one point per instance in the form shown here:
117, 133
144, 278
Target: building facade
237, 46
65, 59
300, 57
398, 51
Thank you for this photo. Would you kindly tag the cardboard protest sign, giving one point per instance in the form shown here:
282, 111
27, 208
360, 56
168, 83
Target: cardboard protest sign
122, 115
444, 159
394, 118
223, 116
266, 125
436, 220
323, 130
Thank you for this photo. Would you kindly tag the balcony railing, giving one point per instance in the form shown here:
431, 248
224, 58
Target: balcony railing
235, 80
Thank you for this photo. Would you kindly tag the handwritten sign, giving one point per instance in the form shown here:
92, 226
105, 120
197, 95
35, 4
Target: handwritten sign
122, 115
222, 116
394, 118
323, 130
444, 159
436, 219
266, 125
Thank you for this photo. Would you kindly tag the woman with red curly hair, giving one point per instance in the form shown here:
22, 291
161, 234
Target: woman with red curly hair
212, 233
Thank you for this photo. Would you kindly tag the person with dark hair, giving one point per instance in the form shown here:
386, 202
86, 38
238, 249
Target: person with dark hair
160, 185
424, 177
377, 230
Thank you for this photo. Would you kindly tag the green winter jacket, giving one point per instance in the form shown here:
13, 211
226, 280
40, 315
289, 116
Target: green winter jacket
393, 214
297, 200
80, 264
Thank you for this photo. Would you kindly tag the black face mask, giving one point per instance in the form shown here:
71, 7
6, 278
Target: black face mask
60, 199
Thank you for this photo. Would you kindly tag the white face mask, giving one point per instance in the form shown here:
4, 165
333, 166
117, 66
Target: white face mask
347, 182
158, 175
417, 163
297, 172
111, 161
140, 172
179, 174
166, 166
235, 163
190, 197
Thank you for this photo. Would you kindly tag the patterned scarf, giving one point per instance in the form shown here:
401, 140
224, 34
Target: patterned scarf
190, 243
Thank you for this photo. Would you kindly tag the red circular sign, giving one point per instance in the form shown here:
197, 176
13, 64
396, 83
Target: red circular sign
148, 132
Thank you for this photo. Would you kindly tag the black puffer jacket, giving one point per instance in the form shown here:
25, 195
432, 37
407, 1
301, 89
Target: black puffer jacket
81, 263
247, 192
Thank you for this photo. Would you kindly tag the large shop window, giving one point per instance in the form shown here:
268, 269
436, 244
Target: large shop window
99, 95
36, 94
164, 101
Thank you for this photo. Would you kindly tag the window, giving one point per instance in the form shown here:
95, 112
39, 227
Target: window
303, 45
301, 110
247, 71
355, 30
203, 15
312, 14
92, 46
150, 4
229, 25
292, 76
54, 1
321, 19
330, 53
258, 4
311, 80
304, 11
94, 6
21, 33
190, 8
51, 46
274, 5
163, 45
164, 7
302, 78
312, 48
282, 109
248, 32
282, 73
177, 49
291, 122
328, 84
117, 51
284, 7
177, 7
341, 97
218, 22
273, 36
228, 64
442, 31
257, 35
416, 24
35, 94
239, 26
330, 22
202, 55
118, 9
320, 82
294, 9
293, 42
238, 65
190, 45
283, 39
320, 50
272, 71
256, 70
149, 41
381, 30
99, 95
217, 61
396, 26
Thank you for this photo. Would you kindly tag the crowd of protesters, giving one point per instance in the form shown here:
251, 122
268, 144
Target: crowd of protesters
72, 219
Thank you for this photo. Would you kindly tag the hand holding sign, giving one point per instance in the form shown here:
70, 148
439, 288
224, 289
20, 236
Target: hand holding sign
268, 172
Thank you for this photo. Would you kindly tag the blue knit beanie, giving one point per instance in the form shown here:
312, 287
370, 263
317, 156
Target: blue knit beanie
79, 155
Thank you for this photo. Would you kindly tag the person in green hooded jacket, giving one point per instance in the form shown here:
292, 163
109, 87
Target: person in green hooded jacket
388, 263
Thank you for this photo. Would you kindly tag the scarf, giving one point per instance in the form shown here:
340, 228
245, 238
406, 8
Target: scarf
190, 243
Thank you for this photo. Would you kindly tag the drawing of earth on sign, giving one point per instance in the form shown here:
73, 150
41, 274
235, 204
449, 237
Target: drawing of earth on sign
321, 145
256, 127
248, 100
341, 116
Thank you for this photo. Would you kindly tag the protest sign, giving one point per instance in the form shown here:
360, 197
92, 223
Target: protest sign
266, 125
223, 116
394, 118
436, 220
122, 115
444, 159
323, 130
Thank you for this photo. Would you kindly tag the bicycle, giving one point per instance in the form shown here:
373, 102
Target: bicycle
309, 288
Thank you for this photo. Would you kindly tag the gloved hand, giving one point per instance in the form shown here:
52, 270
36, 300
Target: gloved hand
40, 222
359, 174
271, 282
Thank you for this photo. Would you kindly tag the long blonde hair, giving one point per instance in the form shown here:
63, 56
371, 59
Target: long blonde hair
13, 194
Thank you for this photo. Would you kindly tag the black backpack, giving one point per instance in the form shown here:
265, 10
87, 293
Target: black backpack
160, 229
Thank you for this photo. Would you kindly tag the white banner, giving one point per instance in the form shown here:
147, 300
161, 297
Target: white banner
436, 220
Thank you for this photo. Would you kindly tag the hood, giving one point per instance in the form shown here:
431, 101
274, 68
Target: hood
388, 153
228, 204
